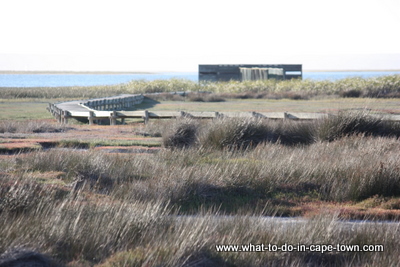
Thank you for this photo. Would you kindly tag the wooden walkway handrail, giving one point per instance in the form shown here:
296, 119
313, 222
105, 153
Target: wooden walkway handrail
111, 108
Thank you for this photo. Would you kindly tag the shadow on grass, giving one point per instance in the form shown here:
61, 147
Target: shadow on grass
146, 104
280, 200
232, 200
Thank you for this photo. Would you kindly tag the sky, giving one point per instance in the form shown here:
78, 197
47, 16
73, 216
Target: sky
175, 35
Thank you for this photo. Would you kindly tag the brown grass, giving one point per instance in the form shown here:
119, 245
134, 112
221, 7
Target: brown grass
171, 208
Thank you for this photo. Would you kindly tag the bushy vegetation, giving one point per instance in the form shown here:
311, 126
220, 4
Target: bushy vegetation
181, 135
240, 133
213, 184
384, 86
119, 210
346, 123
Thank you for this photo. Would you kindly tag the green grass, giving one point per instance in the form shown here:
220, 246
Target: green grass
23, 109
330, 105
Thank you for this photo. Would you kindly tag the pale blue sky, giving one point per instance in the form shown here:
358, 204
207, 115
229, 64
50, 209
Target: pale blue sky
178, 35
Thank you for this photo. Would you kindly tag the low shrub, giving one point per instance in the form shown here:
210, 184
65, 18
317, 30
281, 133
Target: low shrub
351, 93
205, 97
235, 133
360, 122
181, 134
247, 133
197, 98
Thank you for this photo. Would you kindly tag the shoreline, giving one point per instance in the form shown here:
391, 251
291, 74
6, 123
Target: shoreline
351, 70
74, 72
156, 72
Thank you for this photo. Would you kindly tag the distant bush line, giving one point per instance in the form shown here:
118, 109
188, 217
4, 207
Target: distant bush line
384, 86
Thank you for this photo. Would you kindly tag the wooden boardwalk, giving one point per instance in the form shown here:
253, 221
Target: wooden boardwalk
112, 108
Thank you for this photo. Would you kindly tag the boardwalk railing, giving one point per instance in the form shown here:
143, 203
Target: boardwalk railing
62, 116
112, 109
113, 103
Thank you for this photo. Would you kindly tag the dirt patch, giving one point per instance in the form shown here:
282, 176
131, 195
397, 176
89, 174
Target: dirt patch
117, 137
128, 149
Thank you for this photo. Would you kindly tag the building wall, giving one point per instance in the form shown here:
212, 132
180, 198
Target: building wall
221, 72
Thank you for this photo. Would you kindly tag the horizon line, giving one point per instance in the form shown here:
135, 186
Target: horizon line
156, 72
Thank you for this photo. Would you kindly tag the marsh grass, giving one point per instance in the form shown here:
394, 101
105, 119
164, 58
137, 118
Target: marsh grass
181, 135
244, 133
248, 133
32, 126
171, 208
359, 122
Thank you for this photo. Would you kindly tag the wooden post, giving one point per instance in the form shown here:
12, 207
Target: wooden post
255, 114
64, 117
91, 117
285, 115
146, 116
113, 118
58, 115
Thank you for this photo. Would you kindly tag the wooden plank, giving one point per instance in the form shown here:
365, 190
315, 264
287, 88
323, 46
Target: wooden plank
273, 115
202, 114
164, 114
131, 114
79, 113
237, 114
102, 114
306, 116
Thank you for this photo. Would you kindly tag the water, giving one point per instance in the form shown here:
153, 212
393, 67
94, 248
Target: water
336, 75
57, 80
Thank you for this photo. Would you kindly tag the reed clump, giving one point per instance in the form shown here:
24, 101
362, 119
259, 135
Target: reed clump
240, 133
181, 135
349, 123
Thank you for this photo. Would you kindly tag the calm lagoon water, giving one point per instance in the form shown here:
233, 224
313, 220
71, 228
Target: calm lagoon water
57, 80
